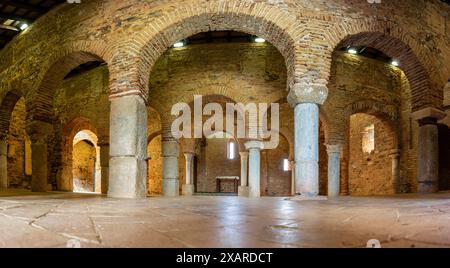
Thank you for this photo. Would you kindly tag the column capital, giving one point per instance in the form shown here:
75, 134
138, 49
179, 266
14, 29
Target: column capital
243, 154
307, 93
188, 155
334, 148
428, 116
259, 145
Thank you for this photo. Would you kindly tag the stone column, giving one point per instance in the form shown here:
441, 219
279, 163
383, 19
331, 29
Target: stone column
188, 188
128, 148
428, 150
243, 189
170, 153
39, 132
292, 165
4, 162
104, 163
395, 169
306, 98
254, 172
334, 168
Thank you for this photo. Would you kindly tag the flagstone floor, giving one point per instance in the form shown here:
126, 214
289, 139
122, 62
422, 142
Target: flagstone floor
77, 220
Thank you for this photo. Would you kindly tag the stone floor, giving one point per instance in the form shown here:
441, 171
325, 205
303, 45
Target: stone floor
58, 220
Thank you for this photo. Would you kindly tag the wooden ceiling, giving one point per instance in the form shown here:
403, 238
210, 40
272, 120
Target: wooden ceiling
14, 14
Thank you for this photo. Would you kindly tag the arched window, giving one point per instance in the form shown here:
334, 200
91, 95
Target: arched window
368, 139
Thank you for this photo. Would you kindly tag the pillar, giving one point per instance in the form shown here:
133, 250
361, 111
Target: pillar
188, 188
39, 133
243, 189
428, 150
128, 148
170, 153
334, 168
306, 98
395, 169
4, 162
254, 171
104, 164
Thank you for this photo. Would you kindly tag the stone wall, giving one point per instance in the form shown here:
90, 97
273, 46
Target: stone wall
213, 162
19, 168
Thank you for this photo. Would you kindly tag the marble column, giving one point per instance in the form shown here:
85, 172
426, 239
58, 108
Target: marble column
395, 169
243, 189
254, 171
3, 162
307, 149
128, 148
39, 133
334, 168
292, 165
428, 150
170, 153
104, 164
305, 97
188, 188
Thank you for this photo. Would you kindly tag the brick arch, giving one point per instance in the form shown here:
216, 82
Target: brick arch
388, 113
70, 130
60, 63
274, 24
6, 108
415, 60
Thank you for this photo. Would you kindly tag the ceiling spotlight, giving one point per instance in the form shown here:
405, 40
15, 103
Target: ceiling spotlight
395, 63
178, 44
23, 26
352, 51
260, 40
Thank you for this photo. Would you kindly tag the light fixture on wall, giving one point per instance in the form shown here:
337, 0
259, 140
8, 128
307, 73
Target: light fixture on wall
179, 44
260, 40
23, 26
395, 63
352, 51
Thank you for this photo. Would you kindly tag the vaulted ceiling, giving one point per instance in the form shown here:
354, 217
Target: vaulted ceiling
16, 15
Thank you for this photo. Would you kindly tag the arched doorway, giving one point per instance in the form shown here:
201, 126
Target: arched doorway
86, 170
373, 156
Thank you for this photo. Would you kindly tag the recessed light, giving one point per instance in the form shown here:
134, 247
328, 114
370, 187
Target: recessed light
260, 40
23, 26
352, 51
178, 44
395, 63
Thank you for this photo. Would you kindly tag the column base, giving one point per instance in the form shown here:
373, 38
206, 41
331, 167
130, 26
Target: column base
127, 178
243, 191
308, 198
188, 189
428, 187
171, 187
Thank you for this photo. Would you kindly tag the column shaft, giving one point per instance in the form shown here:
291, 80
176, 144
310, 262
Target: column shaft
243, 189
3, 164
170, 151
307, 149
128, 148
428, 159
254, 173
188, 188
334, 168
104, 164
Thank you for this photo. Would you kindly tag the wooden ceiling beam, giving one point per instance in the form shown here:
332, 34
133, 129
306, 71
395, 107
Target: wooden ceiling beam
10, 28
